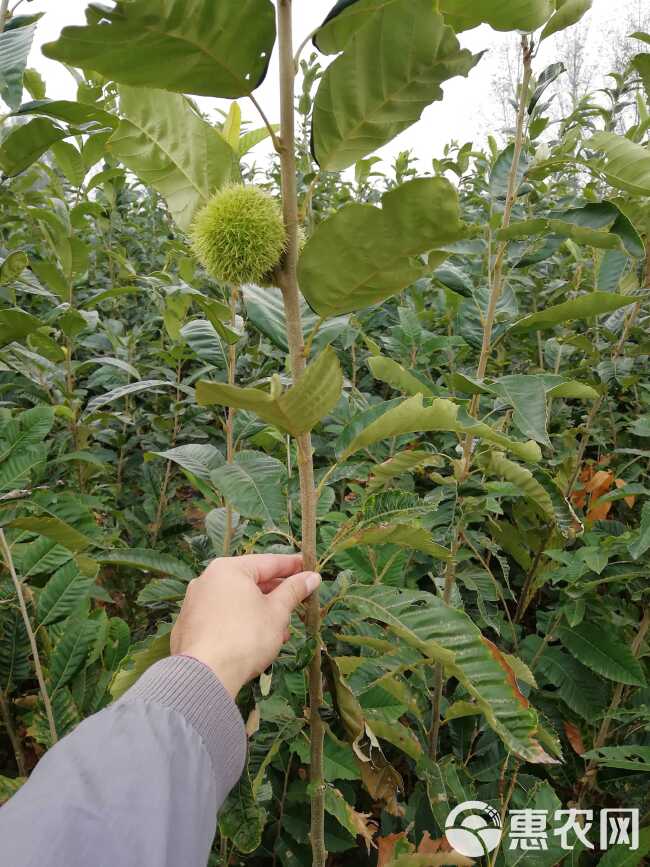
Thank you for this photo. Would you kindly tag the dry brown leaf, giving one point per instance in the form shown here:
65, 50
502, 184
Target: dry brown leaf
386, 848
442, 847
629, 501
574, 737
383, 783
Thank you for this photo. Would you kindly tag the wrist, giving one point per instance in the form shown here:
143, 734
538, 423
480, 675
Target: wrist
227, 670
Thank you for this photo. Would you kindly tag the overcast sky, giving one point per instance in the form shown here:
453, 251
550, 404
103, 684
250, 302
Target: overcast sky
465, 114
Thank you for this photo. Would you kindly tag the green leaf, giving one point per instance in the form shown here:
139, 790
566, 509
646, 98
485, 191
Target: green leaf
362, 254
166, 143
147, 561
265, 311
16, 470
13, 266
641, 62
56, 529
389, 371
141, 657
188, 47
125, 390
584, 307
527, 396
199, 460
522, 229
71, 651
202, 338
581, 690
447, 635
9, 786
16, 324
15, 651
75, 113
241, 819
622, 856
503, 15
15, 45
403, 462
63, 593
627, 758
69, 161
253, 485
410, 536
297, 410
642, 542
412, 416
27, 143
627, 164
569, 12
162, 590
391, 70
603, 652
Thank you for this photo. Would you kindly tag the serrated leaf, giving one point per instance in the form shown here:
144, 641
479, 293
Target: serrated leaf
389, 371
526, 15
412, 416
569, 12
202, 338
63, 593
397, 465
16, 324
362, 105
362, 254
166, 143
447, 635
140, 657
71, 651
28, 142
628, 758
147, 561
584, 307
208, 50
54, 528
298, 409
199, 459
253, 485
627, 164
603, 652
15, 45
241, 819
162, 590
265, 311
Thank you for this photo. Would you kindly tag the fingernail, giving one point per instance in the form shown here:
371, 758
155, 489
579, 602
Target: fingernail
312, 581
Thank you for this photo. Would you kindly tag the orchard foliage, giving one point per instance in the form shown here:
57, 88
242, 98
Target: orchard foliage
434, 382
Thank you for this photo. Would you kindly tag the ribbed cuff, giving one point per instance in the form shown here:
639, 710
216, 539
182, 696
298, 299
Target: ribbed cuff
192, 689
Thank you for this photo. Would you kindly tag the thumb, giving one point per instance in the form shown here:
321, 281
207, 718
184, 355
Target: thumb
295, 590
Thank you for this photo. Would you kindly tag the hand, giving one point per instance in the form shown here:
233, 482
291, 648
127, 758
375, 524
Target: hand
235, 617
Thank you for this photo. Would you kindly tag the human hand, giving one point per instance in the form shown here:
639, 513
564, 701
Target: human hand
235, 616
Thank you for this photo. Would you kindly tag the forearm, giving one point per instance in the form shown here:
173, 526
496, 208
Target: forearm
138, 784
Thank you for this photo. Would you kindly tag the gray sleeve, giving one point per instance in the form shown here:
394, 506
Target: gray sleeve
138, 784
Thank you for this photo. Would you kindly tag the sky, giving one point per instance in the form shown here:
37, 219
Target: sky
466, 113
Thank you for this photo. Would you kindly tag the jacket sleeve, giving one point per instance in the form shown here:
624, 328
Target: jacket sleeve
138, 784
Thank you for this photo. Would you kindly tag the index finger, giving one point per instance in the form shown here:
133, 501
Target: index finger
262, 568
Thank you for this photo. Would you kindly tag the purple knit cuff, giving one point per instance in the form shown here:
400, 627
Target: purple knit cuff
188, 686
